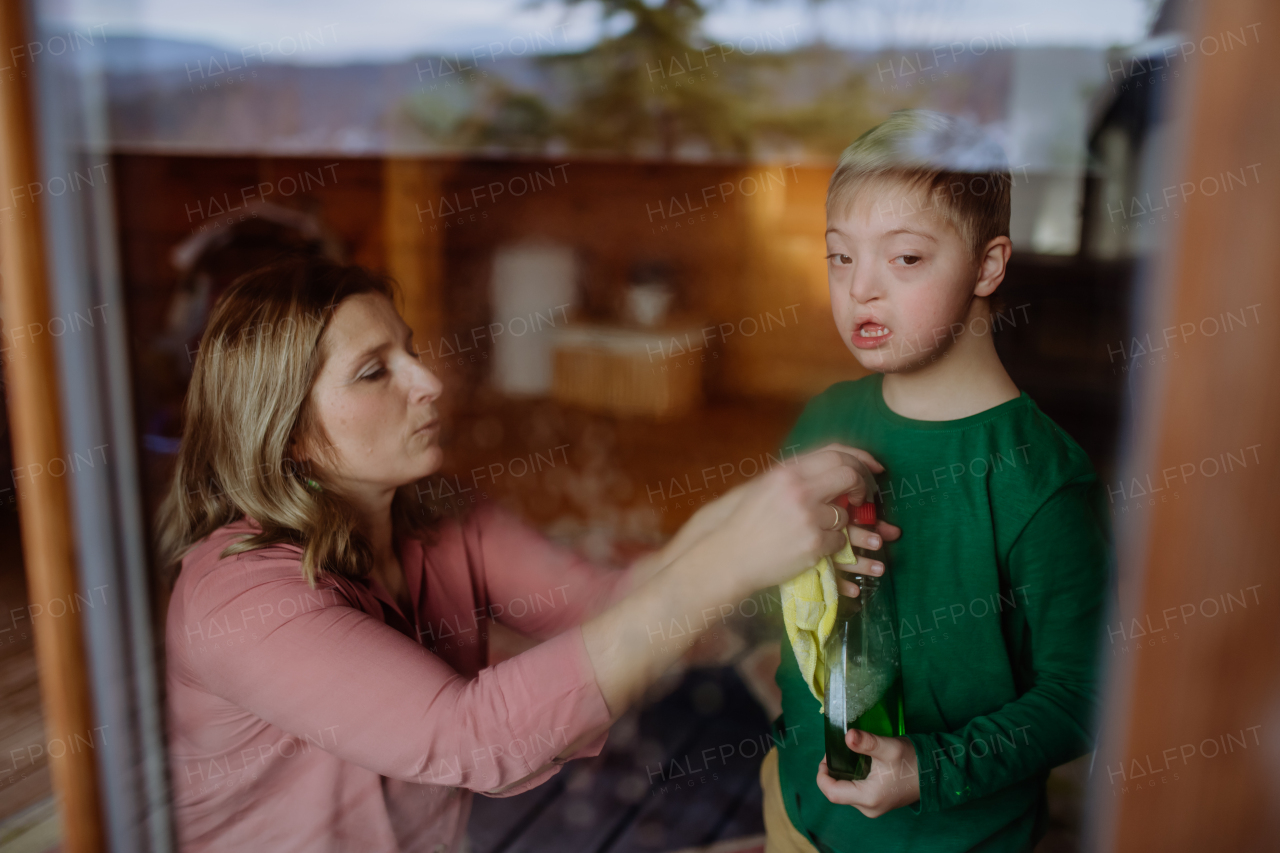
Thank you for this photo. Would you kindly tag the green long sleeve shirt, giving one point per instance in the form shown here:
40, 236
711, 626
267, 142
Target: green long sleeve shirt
1000, 579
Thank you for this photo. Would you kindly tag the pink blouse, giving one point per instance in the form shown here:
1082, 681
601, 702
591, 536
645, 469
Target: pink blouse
325, 719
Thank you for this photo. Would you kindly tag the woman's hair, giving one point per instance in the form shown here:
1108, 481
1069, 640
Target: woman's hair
248, 410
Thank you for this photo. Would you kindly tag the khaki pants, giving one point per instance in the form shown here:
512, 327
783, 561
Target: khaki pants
781, 835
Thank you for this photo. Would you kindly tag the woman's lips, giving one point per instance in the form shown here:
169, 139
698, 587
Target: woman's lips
870, 335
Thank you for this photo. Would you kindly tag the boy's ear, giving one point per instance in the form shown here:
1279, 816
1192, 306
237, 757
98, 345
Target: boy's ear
991, 265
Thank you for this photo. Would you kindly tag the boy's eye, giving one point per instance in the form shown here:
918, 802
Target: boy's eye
908, 260
840, 259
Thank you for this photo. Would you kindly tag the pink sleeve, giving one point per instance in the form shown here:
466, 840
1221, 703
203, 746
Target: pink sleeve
392, 706
535, 586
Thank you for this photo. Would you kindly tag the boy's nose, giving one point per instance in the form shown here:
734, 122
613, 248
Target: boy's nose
864, 286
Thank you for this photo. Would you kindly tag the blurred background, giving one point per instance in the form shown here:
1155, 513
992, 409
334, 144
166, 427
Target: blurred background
607, 219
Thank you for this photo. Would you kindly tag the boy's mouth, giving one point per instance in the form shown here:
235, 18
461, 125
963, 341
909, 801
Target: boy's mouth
870, 335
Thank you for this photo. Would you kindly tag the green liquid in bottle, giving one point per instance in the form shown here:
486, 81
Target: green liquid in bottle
884, 718
863, 688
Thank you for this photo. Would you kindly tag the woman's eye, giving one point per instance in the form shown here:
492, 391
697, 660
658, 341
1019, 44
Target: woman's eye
374, 374
840, 259
909, 260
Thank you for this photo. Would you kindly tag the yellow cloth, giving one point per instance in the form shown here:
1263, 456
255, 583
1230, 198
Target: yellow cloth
809, 611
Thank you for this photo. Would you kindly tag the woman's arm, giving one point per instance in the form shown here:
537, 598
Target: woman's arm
519, 563
709, 517
251, 631
776, 526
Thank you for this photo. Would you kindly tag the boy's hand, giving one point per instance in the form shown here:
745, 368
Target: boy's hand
870, 541
892, 783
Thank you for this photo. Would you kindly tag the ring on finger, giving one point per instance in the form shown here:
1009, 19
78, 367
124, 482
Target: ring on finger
836, 523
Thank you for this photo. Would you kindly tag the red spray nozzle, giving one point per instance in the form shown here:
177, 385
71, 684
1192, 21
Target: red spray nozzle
864, 514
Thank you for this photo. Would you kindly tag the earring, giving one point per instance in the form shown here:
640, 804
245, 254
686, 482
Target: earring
312, 484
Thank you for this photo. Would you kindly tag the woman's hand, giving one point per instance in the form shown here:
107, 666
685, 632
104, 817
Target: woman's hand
709, 517
784, 521
894, 780
869, 540
762, 533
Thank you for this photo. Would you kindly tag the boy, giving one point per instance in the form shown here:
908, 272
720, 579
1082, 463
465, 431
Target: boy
1000, 571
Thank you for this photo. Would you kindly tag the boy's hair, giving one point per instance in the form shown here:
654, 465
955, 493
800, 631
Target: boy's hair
963, 172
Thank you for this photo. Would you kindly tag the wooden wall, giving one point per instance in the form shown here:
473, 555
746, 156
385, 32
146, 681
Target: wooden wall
162, 200
744, 245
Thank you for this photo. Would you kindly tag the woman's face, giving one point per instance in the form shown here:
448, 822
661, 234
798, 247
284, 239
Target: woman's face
375, 401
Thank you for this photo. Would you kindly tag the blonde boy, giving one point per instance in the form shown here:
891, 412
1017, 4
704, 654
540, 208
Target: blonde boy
1000, 571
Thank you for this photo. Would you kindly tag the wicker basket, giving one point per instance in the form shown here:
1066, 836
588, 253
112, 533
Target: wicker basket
628, 372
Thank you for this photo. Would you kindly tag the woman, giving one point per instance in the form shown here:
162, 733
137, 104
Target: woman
327, 687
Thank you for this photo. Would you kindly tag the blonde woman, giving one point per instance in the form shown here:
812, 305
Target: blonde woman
327, 687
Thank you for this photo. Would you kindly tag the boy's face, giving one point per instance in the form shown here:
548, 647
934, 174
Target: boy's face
900, 276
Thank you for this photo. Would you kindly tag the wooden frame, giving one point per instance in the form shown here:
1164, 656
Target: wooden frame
1187, 759
43, 504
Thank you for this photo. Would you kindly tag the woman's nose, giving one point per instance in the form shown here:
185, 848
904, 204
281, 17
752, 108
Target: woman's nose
426, 385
